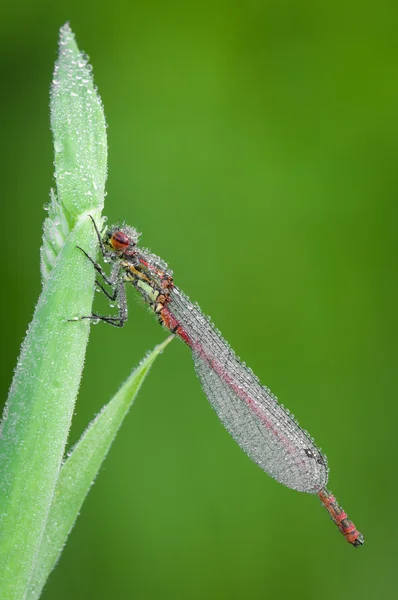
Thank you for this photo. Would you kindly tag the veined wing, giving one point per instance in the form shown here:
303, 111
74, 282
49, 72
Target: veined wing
251, 414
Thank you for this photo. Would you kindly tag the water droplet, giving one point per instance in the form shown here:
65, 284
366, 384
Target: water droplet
58, 146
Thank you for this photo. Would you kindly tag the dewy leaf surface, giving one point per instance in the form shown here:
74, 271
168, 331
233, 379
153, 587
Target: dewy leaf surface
79, 130
40, 405
81, 468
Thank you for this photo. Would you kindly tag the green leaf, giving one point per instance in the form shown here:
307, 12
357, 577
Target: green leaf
79, 130
81, 468
40, 405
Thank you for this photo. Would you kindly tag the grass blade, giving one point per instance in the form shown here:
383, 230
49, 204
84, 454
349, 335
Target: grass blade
40, 405
79, 130
81, 468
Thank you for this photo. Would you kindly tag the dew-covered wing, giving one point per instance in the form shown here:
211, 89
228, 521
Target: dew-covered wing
251, 414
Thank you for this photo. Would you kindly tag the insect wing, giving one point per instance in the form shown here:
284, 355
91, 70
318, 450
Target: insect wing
254, 418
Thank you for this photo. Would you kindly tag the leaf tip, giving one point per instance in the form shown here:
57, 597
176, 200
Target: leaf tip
65, 34
79, 130
160, 347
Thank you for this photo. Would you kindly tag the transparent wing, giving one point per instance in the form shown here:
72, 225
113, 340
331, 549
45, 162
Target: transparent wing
251, 414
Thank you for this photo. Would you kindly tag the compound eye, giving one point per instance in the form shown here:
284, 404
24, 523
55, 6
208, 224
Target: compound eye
119, 240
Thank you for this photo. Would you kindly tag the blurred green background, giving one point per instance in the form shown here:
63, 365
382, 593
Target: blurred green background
255, 145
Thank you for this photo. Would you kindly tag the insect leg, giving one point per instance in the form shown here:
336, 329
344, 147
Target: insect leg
101, 243
118, 293
115, 271
121, 318
110, 297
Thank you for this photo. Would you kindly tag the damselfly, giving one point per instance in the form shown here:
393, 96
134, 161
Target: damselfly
262, 427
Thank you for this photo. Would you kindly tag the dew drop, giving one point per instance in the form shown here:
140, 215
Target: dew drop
58, 146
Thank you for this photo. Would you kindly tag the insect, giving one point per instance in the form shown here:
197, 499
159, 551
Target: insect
261, 426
